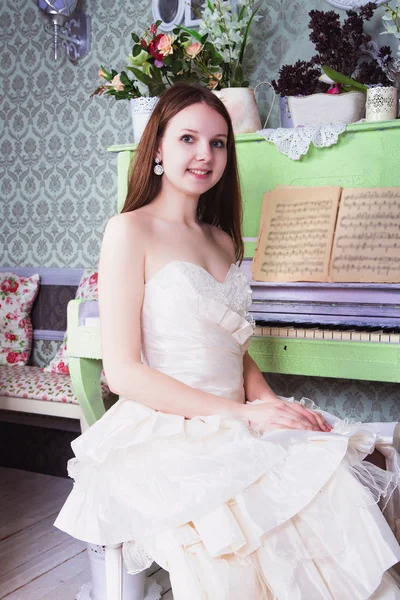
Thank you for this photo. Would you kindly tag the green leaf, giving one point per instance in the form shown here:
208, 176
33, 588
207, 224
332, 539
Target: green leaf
192, 32
136, 50
158, 23
343, 79
135, 38
246, 35
168, 60
140, 75
176, 67
204, 38
238, 77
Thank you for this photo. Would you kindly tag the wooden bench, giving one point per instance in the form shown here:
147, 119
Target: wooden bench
49, 319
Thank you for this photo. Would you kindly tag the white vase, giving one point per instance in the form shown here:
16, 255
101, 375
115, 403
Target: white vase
381, 104
327, 108
242, 108
141, 109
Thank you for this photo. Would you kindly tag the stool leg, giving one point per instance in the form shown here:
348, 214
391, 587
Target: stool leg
114, 572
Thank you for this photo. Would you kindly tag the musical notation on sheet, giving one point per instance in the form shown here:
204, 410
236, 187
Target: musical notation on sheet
296, 234
367, 239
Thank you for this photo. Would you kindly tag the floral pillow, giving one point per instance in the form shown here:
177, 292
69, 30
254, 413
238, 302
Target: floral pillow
87, 289
17, 295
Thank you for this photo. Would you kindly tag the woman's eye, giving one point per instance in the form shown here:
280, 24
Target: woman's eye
187, 138
218, 144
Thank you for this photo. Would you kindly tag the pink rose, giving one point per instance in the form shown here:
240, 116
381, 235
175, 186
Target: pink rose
12, 358
165, 45
6, 285
194, 49
93, 279
117, 84
11, 337
63, 368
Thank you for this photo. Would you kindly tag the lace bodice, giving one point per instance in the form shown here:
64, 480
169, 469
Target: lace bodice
234, 291
197, 329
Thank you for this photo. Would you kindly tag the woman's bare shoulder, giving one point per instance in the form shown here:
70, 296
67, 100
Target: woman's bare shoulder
132, 226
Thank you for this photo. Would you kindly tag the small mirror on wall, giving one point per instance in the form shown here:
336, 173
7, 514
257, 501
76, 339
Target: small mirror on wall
193, 12
351, 4
170, 12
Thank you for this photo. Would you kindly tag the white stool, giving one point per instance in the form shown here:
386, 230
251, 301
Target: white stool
110, 580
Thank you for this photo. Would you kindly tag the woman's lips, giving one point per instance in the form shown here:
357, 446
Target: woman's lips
199, 173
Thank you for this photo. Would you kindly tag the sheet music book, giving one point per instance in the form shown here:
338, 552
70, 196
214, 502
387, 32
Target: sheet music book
329, 234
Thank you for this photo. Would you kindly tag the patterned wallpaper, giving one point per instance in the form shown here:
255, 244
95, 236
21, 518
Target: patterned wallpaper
58, 183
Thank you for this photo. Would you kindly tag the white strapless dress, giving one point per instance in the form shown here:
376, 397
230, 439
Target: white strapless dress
232, 515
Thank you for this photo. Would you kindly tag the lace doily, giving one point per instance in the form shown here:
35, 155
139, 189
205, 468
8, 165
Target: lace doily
295, 142
144, 104
152, 591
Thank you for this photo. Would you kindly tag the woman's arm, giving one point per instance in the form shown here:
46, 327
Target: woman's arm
255, 386
121, 293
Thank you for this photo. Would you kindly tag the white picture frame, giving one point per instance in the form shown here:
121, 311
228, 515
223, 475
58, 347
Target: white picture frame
174, 9
191, 19
351, 4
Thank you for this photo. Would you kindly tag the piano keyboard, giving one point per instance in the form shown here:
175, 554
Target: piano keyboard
328, 334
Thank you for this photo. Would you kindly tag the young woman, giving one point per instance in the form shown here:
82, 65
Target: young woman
239, 494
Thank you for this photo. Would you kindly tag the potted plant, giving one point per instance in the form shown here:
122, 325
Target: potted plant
157, 61
227, 30
340, 46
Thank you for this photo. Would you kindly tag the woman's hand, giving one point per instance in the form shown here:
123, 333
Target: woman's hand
275, 413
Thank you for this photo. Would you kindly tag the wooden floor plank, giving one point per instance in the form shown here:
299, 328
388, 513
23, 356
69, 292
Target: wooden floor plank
67, 590
37, 566
162, 578
17, 557
18, 541
30, 494
49, 506
52, 580
38, 561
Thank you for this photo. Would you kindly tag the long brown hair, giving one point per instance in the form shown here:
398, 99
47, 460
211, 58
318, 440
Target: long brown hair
222, 204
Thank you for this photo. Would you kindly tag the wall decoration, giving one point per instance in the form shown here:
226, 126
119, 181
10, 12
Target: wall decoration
351, 4
170, 12
192, 10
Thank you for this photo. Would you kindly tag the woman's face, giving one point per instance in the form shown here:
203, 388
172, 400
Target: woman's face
193, 149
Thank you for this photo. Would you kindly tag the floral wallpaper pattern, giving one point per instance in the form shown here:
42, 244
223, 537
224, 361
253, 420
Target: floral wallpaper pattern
57, 181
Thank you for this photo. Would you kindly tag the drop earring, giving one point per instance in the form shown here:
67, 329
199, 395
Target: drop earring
158, 169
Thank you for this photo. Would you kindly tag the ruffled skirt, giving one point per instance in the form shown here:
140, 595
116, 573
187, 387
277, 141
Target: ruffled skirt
232, 515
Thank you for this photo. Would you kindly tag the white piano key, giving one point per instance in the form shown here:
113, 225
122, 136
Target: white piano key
356, 336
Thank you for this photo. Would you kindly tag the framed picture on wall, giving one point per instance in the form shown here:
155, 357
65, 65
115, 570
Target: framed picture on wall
170, 12
192, 12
